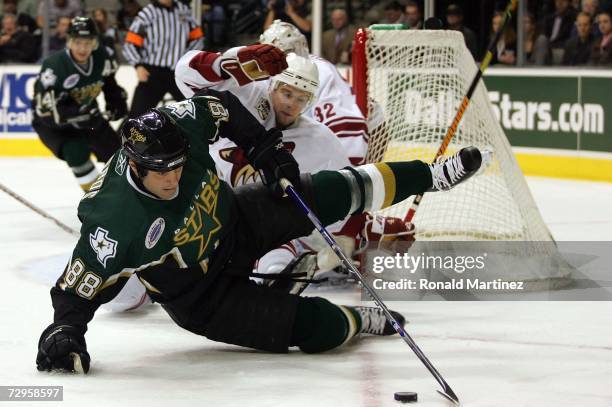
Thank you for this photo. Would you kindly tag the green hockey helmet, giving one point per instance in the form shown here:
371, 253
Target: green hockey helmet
154, 142
82, 27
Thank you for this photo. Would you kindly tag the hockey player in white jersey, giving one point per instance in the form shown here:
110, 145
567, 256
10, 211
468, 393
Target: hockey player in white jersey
334, 103
277, 102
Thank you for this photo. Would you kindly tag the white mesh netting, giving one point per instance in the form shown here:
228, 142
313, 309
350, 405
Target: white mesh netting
417, 79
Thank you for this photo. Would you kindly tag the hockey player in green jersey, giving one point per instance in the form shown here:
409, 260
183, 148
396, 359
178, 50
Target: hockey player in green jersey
159, 210
66, 115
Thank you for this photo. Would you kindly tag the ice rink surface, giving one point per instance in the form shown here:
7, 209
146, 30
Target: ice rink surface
491, 353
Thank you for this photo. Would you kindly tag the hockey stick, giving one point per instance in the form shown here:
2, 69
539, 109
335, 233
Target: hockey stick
447, 391
450, 132
38, 210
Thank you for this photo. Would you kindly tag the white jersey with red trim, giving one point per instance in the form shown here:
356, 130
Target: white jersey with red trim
335, 107
313, 145
334, 104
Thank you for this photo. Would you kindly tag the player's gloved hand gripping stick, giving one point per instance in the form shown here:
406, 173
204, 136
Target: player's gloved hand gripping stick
290, 190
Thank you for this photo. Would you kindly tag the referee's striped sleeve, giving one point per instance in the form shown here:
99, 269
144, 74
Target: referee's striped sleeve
134, 41
196, 35
159, 36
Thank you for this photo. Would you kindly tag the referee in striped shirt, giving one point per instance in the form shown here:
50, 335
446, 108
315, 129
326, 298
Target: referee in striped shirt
159, 35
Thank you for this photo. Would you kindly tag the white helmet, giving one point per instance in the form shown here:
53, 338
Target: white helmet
286, 37
301, 73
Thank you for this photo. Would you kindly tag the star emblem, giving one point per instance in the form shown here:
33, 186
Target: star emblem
182, 109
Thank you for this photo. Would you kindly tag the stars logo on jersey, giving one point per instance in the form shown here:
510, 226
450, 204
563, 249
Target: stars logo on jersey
48, 78
242, 172
263, 108
201, 222
103, 245
182, 109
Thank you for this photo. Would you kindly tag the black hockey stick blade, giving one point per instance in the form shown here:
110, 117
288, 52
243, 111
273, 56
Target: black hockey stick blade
450, 396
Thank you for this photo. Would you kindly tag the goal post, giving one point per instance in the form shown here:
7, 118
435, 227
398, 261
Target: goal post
409, 84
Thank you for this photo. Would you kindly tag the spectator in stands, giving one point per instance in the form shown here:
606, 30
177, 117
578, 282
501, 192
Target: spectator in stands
125, 16
590, 7
505, 52
57, 9
290, 11
337, 42
108, 34
28, 8
537, 51
214, 23
578, 49
16, 46
601, 52
24, 21
454, 19
414, 16
558, 25
394, 14
58, 40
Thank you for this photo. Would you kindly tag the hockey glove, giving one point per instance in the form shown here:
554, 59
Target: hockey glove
62, 347
255, 63
379, 228
274, 162
117, 108
66, 108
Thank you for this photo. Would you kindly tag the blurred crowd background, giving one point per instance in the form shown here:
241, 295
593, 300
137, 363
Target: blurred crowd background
555, 32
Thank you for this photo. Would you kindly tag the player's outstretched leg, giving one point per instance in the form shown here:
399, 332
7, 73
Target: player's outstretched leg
449, 172
372, 187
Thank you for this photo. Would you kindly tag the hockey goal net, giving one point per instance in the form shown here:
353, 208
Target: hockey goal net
410, 84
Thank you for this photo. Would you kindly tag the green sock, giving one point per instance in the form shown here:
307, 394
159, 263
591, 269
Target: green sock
373, 187
320, 325
333, 196
75, 152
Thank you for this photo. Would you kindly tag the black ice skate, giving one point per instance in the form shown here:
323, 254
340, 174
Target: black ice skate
446, 173
373, 321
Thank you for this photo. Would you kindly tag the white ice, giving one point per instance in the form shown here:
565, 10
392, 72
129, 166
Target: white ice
491, 353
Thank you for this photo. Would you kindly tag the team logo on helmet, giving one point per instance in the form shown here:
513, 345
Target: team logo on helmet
136, 136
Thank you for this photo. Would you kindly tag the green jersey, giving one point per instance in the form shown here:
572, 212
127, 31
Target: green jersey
61, 77
126, 230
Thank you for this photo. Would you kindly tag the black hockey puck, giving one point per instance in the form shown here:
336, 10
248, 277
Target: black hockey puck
406, 396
